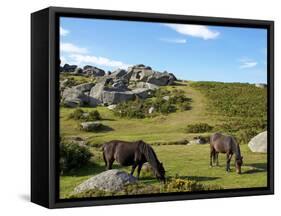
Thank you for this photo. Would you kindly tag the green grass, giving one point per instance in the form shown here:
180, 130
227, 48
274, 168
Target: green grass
186, 161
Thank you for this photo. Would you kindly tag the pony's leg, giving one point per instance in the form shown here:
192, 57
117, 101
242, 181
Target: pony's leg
105, 163
139, 170
133, 168
228, 159
105, 160
211, 157
109, 164
217, 159
214, 157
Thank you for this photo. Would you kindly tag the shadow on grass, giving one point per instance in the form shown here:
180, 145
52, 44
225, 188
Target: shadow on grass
108, 119
90, 169
259, 165
256, 168
179, 84
199, 178
102, 129
106, 128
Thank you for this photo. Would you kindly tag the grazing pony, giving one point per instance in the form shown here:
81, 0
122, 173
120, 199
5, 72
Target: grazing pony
220, 143
133, 154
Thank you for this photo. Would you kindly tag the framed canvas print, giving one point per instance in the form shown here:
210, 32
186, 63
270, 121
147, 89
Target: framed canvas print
138, 107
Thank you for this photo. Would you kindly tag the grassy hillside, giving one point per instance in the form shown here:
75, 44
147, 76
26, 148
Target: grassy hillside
237, 109
161, 128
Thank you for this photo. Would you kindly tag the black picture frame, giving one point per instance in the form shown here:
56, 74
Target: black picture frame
45, 105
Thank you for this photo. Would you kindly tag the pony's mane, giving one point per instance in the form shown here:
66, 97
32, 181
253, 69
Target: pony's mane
149, 154
237, 147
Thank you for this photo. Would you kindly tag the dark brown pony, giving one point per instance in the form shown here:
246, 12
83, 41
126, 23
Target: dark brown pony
133, 154
220, 143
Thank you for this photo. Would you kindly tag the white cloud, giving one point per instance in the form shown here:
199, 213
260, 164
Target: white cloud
63, 32
71, 48
194, 31
173, 40
247, 63
62, 60
97, 60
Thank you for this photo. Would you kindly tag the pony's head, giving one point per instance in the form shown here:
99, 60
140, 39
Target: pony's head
238, 164
160, 172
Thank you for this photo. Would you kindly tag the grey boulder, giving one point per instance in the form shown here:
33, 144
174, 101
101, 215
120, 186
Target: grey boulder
259, 143
142, 93
111, 180
140, 72
93, 71
118, 73
144, 85
84, 87
115, 97
161, 79
68, 68
90, 126
72, 97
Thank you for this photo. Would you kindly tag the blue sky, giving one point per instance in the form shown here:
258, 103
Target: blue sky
191, 52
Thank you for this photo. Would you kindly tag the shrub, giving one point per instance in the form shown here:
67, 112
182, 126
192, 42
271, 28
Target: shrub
73, 156
164, 107
80, 114
93, 116
183, 106
181, 185
198, 128
185, 185
131, 109
77, 114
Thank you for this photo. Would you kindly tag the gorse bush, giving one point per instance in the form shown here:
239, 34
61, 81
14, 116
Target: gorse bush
185, 185
79, 114
235, 99
132, 109
173, 185
73, 156
177, 185
164, 106
198, 128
